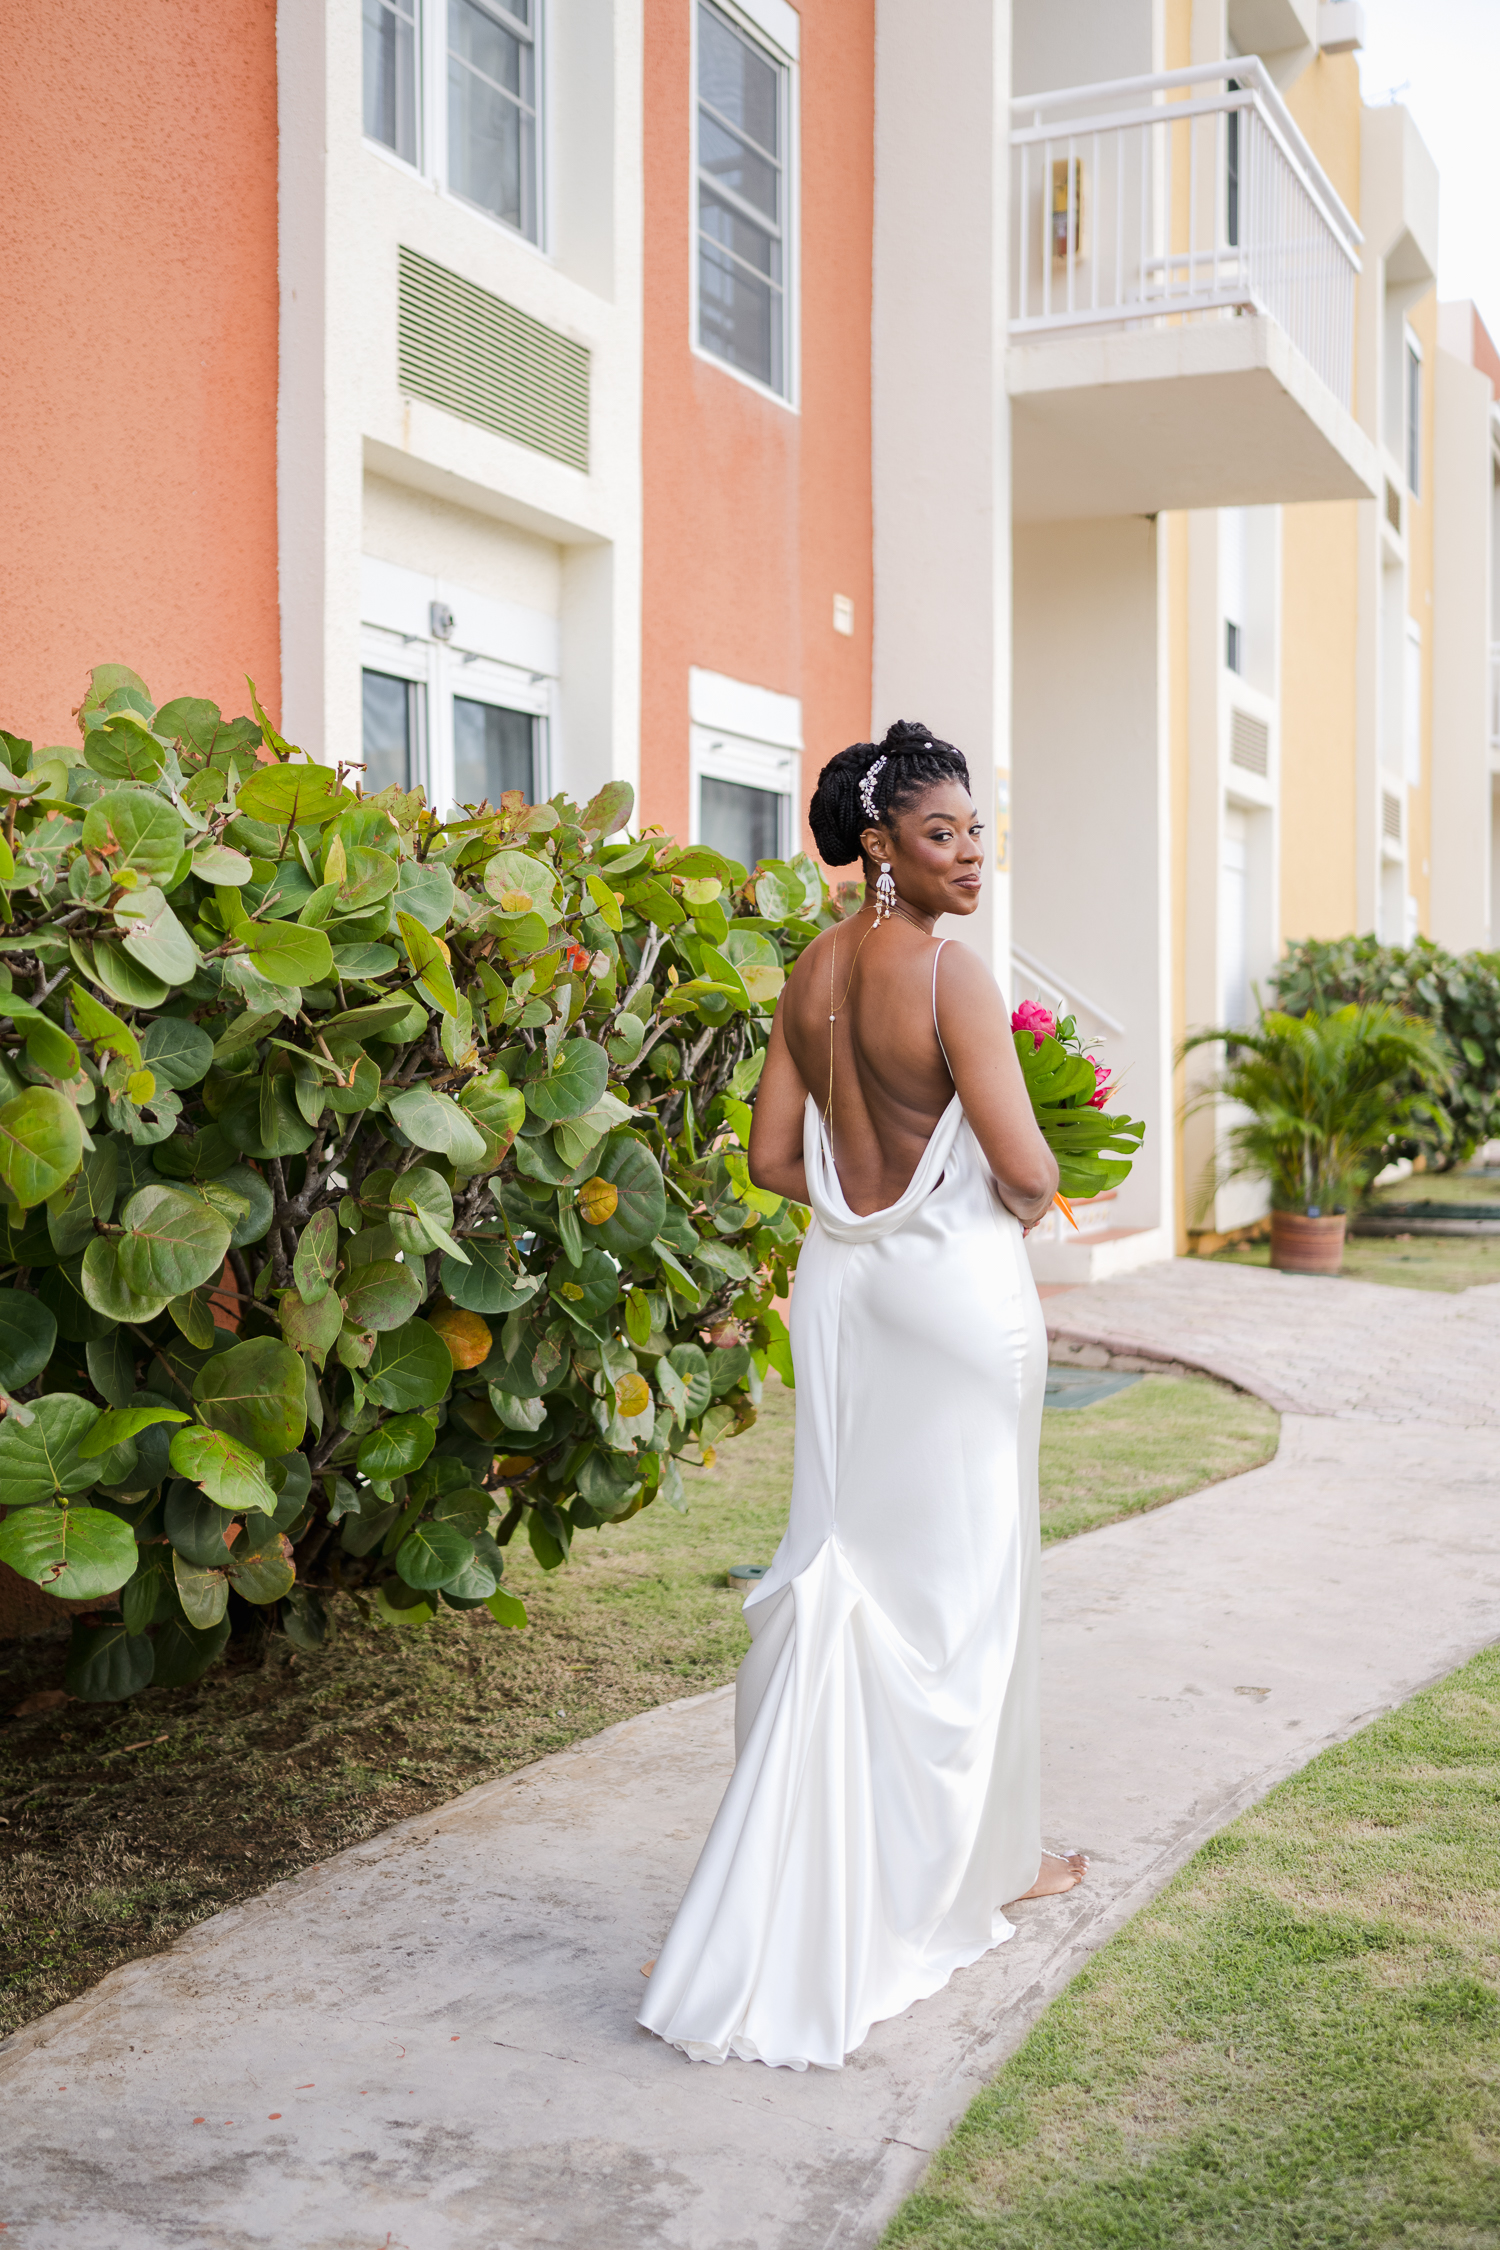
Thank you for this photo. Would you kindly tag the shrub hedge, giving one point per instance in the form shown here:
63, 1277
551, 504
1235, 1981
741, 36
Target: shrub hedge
374, 1185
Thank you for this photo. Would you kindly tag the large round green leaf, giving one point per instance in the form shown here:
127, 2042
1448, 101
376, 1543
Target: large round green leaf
691, 1363
396, 1448
311, 1328
411, 1367
421, 1208
574, 1083
105, 1663
382, 1295
176, 1052
433, 1554
60, 1290
256, 1392
489, 1283
28, 1335
521, 885
587, 1290
41, 1144
106, 1289
317, 1258
204, 1594
135, 828
241, 1180
153, 936
124, 979
292, 793
40, 1458
635, 1175
231, 1473
425, 892
173, 1242
286, 953
266, 1572
75, 1553
497, 1108
183, 1654
435, 1121
195, 1525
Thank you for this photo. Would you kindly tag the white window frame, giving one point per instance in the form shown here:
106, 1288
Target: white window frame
1411, 706
444, 672
1411, 413
403, 659
431, 164
716, 755
382, 148
772, 26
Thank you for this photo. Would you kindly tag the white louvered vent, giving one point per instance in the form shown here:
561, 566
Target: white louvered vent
1249, 743
481, 358
1390, 815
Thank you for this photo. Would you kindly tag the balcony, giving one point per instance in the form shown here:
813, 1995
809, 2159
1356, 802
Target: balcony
1182, 301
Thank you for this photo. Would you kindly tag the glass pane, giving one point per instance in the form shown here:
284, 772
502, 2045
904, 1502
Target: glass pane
739, 235
492, 116
388, 712
493, 750
744, 824
734, 164
741, 83
739, 316
391, 76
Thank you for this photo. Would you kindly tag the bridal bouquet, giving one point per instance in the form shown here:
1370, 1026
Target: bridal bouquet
1069, 1088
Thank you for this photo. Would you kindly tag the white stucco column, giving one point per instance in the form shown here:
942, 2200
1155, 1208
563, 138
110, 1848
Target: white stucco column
941, 415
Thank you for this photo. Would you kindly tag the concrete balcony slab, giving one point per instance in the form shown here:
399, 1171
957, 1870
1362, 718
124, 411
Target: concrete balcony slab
1211, 413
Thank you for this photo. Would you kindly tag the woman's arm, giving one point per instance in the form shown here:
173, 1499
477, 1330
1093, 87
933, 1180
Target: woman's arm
776, 1162
975, 1026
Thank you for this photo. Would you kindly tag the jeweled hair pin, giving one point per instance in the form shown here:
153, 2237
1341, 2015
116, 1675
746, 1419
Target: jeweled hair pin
867, 789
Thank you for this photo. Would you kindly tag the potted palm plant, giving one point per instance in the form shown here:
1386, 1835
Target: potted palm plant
1321, 1098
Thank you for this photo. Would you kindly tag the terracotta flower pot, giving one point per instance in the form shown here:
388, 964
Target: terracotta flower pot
1303, 1245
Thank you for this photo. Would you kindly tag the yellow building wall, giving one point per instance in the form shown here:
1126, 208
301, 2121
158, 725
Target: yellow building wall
1422, 320
1320, 611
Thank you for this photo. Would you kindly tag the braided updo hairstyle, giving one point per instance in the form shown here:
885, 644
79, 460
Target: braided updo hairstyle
914, 760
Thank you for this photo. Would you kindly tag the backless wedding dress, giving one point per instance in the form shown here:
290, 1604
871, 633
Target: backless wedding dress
885, 1798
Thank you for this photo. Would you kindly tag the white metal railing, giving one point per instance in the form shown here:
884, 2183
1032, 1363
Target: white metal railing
1033, 980
1141, 201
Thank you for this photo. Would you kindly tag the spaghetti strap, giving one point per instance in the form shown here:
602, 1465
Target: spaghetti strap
935, 959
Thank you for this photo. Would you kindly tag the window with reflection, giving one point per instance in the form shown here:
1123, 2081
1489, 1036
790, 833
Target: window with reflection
390, 45
493, 750
492, 109
742, 195
392, 716
740, 822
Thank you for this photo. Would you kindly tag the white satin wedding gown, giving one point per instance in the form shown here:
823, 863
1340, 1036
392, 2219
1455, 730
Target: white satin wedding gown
885, 1798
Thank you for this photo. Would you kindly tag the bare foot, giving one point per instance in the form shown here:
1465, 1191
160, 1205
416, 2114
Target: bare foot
647, 1967
1057, 1875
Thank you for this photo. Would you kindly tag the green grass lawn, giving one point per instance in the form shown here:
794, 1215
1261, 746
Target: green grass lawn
1404, 1261
1295, 2047
1162, 1438
120, 1824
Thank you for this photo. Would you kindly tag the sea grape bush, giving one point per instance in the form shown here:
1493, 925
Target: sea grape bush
1458, 993
373, 1184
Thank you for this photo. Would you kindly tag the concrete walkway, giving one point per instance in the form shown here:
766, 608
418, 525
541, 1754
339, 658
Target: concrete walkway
427, 2044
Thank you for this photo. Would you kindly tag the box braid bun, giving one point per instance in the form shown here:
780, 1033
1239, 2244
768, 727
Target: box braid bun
914, 760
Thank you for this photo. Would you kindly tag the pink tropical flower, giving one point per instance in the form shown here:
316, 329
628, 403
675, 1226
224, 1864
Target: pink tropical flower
1032, 1017
1100, 1095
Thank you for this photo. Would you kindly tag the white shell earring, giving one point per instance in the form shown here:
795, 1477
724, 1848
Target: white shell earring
885, 893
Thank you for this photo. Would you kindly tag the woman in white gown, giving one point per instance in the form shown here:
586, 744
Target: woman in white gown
885, 1796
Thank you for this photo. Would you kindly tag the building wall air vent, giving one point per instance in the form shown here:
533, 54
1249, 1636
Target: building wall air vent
466, 350
1249, 744
1390, 815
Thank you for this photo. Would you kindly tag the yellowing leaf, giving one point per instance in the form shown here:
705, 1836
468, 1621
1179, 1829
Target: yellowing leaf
598, 1200
633, 1394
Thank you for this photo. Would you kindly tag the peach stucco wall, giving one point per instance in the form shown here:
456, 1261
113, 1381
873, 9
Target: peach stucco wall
755, 516
138, 435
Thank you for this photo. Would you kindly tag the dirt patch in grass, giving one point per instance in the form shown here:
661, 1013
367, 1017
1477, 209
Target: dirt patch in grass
122, 1824
1296, 2047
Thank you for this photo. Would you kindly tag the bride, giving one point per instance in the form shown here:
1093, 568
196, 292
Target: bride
885, 1795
